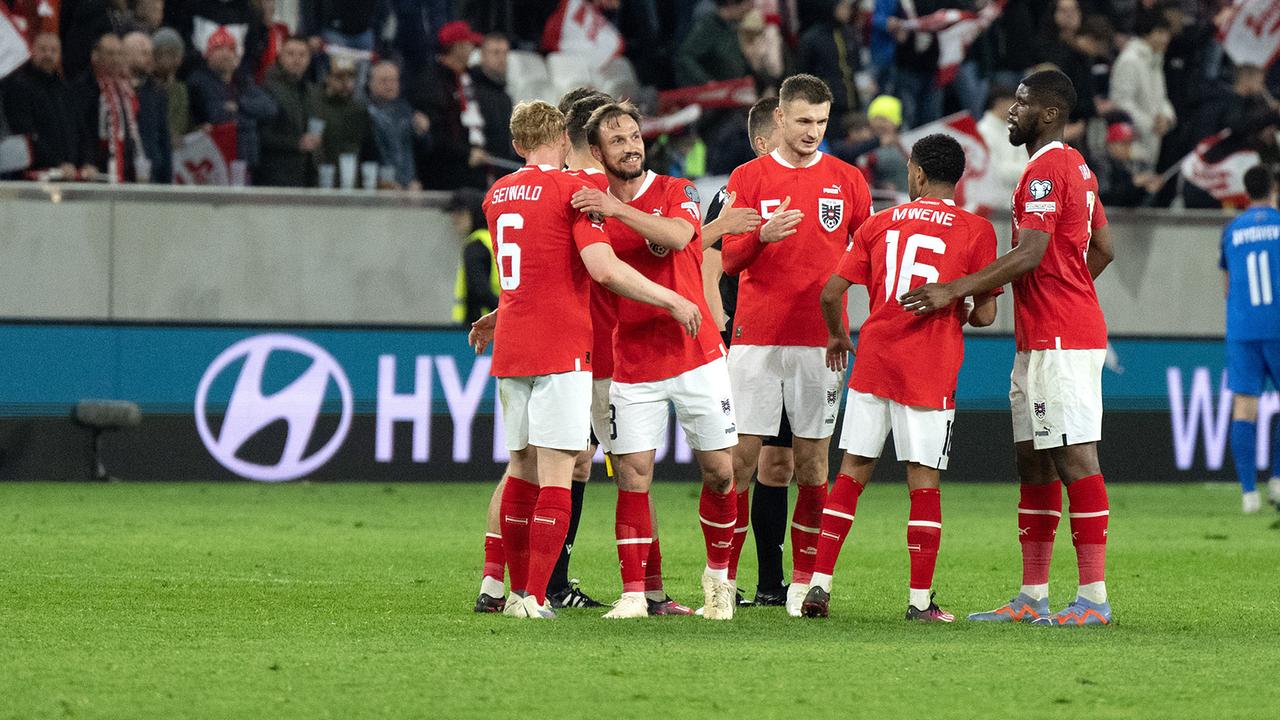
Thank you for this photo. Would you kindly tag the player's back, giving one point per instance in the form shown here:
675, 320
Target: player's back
789, 274
1056, 304
544, 325
907, 358
1251, 257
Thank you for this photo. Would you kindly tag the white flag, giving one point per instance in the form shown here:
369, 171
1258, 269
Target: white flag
1252, 34
14, 50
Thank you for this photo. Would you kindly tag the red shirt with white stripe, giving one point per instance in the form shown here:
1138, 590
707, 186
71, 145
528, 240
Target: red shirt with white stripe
910, 359
649, 344
1056, 305
544, 318
779, 283
604, 314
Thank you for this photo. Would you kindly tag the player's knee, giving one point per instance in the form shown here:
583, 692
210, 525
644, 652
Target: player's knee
1244, 407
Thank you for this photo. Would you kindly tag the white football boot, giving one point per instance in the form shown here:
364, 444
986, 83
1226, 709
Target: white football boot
630, 605
795, 598
1251, 502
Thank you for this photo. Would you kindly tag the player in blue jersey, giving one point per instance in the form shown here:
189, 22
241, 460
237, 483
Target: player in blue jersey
1251, 266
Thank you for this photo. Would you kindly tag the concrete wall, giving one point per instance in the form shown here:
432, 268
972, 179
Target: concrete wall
285, 256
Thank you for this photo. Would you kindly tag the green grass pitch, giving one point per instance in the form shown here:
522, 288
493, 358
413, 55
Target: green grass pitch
354, 600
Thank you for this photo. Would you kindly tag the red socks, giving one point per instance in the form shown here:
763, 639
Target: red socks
653, 569
717, 514
494, 561
1089, 514
924, 534
805, 524
518, 499
633, 526
1039, 511
546, 537
740, 532
837, 520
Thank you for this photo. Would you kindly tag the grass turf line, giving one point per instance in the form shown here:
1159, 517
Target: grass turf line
354, 600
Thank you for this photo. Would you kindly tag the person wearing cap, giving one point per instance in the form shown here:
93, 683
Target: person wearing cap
167, 53
444, 93
888, 164
219, 95
348, 129
476, 287
1119, 184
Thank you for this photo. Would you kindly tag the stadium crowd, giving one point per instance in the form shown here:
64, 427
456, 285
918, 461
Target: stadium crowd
417, 93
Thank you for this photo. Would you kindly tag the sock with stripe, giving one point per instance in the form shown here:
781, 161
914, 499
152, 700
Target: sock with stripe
924, 535
1090, 511
769, 526
560, 574
546, 537
837, 521
518, 498
1244, 450
1039, 511
495, 565
740, 532
633, 527
718, 515
805, 524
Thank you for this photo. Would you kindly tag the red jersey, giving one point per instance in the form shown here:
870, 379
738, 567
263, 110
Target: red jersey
544, 322
910, 359
1055, 305
649, 344
779, 283
604, 315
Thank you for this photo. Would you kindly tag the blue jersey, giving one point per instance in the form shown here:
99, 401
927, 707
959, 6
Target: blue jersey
1251, 257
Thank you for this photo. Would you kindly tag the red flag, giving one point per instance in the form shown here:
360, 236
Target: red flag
205, 157
1223, 178
955, 31
718, 94
1251, 34
977, 190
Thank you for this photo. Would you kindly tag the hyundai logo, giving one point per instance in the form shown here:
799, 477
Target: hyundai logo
249, 411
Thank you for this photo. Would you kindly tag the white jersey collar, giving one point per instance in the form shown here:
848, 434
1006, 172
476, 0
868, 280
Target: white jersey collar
1055, 145
777, 156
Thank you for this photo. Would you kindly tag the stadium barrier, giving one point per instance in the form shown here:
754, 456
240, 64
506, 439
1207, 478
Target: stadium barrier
276, 403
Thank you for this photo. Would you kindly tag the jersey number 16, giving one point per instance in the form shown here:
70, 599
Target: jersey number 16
898, 282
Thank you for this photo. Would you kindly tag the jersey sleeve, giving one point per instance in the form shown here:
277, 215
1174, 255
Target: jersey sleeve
742, 250
584, 230
587, 232
682, 201
855, 264
1099, 218
1222, 248
983, 252
1039, 200
860, 204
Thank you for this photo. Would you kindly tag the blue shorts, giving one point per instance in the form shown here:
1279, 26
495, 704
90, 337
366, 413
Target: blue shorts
1250, 363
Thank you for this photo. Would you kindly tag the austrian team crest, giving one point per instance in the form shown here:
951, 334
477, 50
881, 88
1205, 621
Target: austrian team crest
1039, 409
726, 406
830, 213
832, 395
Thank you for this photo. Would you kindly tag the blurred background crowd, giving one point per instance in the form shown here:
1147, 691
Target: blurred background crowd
416, 94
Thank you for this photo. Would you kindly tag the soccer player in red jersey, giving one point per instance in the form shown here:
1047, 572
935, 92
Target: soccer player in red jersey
904, 374
811, 203
1061, 244
547, 254
654, 223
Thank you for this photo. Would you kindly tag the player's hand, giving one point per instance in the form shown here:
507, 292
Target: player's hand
591, 200
782, 224
838, 351
688, 315
738, 220
928, 298
482, 332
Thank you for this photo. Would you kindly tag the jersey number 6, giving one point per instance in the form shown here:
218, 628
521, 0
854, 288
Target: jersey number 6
508, 251
910, 267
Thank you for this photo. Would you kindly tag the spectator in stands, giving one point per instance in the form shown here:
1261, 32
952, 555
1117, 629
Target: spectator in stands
916, 67
397, 127
148, 15
711, 50
196, 20
1230, 107
38, 105
1012, 54
476, 288
153, 108
1138, 88
288, 148
83, 23
860, 138
489, 80
761, 45
271, 35
831, 50
443, 93
1120, 183
418, 20
106, 118
220, 95
1058, 44
169, 51
887, 164
342, 24
1004, 161
1094, 41
348, 130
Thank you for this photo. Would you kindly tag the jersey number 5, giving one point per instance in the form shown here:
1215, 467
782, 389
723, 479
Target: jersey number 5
508, 251
898, 281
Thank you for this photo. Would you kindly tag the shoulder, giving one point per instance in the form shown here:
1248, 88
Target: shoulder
750, 169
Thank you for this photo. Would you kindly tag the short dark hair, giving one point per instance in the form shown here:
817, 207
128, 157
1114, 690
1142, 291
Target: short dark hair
1052, 88
605, 113
804, 87
575, 121
940, 157
760, 119
568, 99
1258, 182
1150, 22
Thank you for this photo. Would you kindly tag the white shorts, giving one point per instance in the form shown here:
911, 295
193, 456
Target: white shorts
601, 415
768, 378
920, 435
1056, 397
703, 403
551, 411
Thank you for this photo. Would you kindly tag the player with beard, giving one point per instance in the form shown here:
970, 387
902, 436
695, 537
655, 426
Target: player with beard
654, 223
811, 203
904, 375
1061, 244
547, 253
